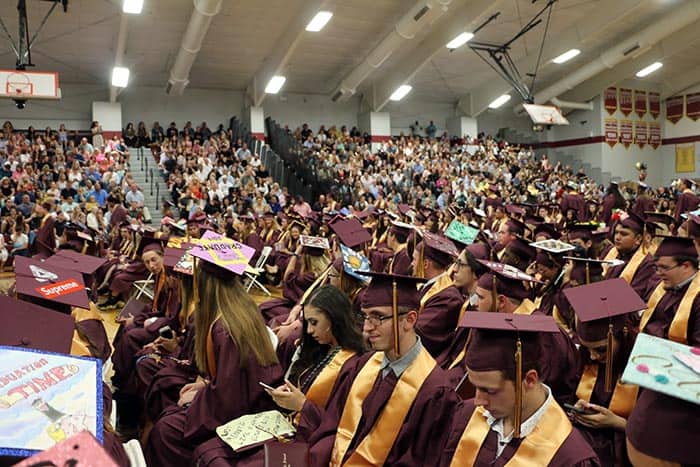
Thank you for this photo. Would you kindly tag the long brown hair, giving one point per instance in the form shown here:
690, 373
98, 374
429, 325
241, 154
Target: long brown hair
228, 300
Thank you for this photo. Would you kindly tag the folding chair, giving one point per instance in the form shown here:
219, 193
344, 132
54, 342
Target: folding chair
145, 287
252, 273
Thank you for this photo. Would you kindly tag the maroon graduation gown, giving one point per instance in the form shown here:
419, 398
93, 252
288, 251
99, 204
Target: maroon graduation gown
123, 281
379, 259
293, 289
660, 425
644, 280
574, 451
45, 240
417, 442
687, 201
233, 392
607, 208
643, 204
573, 201
438, 320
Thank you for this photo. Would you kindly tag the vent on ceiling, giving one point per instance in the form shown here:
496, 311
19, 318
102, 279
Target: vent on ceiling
631, 49
337, 96
421, 13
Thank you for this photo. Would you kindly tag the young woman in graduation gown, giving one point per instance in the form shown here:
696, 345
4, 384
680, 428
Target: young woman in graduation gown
316, 365
234, 349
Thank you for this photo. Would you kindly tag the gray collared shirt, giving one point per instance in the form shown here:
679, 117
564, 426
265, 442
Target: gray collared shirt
400, 365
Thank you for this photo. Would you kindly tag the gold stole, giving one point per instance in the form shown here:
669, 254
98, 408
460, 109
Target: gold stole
463, 310
268, 235
160, 283
624, 395
612, 254
320, 389
375, 447
43, 221
79, 347
537, 448
631, 266
678, 331
442, 282
526, 307
390, 266
561, 321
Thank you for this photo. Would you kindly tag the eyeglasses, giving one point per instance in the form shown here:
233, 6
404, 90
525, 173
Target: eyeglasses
665, 268
461, 264
376, 320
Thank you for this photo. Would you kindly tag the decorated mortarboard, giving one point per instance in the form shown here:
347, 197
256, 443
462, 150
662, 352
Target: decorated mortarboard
462, 233
314, 246
222, 256
664, 366
35, 327
506, 342
74, 261
185, 265
354, 263
479, 212
676, 246
553, 246
49, 283
546, 230
351, 232
172, 256
198, 217
504, 279
78, 450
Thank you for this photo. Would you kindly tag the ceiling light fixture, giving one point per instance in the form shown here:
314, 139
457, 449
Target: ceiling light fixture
460, 40
499, 101
400, 92
319, 21
275, 84
566, 56
132, 7
120, 76
649, 70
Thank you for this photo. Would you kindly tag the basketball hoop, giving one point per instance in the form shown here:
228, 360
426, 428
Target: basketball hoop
19, 85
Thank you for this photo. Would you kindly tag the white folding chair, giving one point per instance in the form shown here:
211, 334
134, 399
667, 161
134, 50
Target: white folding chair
145, 287
252, 273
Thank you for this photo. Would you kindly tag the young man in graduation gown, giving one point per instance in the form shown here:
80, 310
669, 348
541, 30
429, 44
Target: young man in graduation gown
687, 201
573, 199
45, 240
384, 409
514, 418
631, 247
440, 302
662, 430
400, 261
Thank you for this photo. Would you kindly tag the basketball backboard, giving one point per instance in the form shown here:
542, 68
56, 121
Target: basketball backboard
545, 114
22, 84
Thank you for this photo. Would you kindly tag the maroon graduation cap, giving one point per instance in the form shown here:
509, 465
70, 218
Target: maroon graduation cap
74, 261
35, 327
49, 283
351, 232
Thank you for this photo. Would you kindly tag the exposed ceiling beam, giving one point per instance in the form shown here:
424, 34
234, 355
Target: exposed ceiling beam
681, 82
284, 48
581, 35
464, 18
119, 54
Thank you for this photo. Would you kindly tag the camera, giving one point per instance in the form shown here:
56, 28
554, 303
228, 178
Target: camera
20, 103
166, 333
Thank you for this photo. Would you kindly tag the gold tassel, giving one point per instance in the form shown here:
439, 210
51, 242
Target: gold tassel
517, 419
420, 266
609, 360
644, 240
494, 295
395, 320
588, 273
195, 288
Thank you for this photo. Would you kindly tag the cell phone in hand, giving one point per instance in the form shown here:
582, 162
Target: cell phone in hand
579, 410
166, 333
266, 386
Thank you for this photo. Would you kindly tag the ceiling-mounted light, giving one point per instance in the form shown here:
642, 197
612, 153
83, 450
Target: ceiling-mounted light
566, 56
400, 92
275, 84
319, 21
649, 70
499, 101
132, 7
120, 76
460, 40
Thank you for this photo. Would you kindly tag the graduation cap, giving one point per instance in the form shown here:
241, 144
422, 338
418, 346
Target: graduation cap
314, 246
220, 256
74, 261
35, 327
504, 279
461, 233
663, 222
602, 309
198, 217
401, 230
352, 263
517, 227
437, 248
676, 246
351, 232
522, 249
506, 342
50, 284
391, 290
548, 231
80, 449
635, 223
480, 250
512, 209
172, 255
151, 244
581, 230
693, 226
549, 252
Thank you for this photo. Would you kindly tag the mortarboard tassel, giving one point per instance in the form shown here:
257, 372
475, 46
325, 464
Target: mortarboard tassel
395, 320
517, 419
494, 295
195, 291
588, 272
609, 360
420, 266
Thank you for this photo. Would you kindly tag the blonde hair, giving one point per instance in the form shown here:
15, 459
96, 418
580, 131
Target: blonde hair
314, 264
227, 300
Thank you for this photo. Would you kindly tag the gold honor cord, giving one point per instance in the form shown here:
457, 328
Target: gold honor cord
609, 360
517, 419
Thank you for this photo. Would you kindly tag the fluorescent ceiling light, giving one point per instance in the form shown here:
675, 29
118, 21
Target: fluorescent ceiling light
649, 70
319, 21
460, 40
275, 84
133, 7
499, 101
401, 92
120, 76
566, 56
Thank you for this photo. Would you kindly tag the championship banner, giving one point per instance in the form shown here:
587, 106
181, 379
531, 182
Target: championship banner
685, 158
654, 104
655, 134
641, 134
46, 398
625, 101
674, 109
692, 105
611, 100
612, 135
626, 133
640, 103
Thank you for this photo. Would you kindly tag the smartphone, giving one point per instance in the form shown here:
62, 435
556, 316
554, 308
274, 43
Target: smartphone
266, 386
166, 333
578, 410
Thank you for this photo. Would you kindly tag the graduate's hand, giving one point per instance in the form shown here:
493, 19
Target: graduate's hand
293, 315
604, 418
284, 331
128, 321
186, 398
166, 345
192, 387
288, 397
